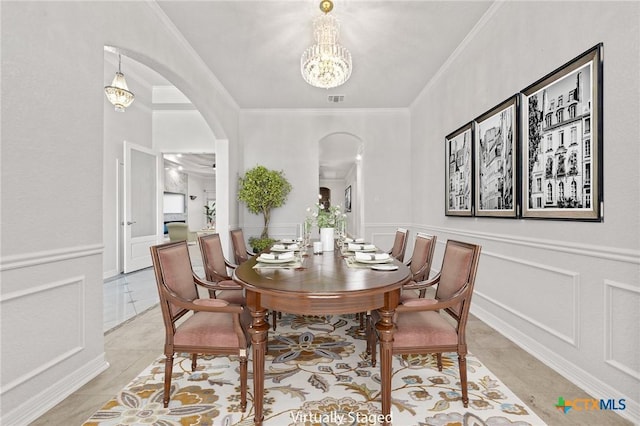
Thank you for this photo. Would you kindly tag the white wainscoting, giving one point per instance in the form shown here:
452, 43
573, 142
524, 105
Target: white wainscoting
545, 306
44, 400
622, 319
51, 305
556, 289
23, 309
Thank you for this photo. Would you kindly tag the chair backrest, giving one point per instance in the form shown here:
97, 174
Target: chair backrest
215, 267
239, 246
172, 267
178, 231
422, 255
459, 266
400, 244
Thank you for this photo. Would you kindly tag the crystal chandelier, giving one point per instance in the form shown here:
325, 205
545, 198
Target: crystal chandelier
118, 93
326, 64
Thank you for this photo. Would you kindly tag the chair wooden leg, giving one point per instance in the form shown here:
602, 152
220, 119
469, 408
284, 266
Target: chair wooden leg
274, 314
194, 361
462, 364
243, 383
168, 369
439, 361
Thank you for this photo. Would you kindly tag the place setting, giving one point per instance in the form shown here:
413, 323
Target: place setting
286, 245
277, 260
375, 261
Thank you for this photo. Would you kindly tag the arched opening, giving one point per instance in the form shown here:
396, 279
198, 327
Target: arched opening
340, 171
163, 120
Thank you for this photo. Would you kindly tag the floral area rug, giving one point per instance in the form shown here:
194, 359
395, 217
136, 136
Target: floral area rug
317, 373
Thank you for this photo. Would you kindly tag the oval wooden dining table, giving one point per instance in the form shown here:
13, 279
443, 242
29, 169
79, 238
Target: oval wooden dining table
324, 284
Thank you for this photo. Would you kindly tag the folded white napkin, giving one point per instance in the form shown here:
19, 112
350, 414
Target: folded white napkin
277, 256
356, 247
371, 256
285, 255
351, 240
285, 247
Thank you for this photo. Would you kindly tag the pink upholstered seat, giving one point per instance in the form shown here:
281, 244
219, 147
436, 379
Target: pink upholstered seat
420, 323
214, 326
215, 270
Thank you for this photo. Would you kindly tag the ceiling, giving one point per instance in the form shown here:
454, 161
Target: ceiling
198, 164
254, 47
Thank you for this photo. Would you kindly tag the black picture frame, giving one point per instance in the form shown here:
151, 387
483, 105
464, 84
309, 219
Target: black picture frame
347, 199
459, 172
562, 142
496, 153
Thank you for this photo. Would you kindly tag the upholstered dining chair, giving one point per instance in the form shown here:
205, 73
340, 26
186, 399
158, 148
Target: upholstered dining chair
215, 327
215, 270
397, 252
399, 244
419, 265
240, 252
420, 324
179, 231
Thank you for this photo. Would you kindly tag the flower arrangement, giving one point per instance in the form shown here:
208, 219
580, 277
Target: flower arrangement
325, 218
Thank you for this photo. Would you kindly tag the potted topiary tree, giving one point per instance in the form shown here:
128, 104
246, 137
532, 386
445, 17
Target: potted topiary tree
262, 190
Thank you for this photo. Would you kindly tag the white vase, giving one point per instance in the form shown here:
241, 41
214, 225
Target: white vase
327, 238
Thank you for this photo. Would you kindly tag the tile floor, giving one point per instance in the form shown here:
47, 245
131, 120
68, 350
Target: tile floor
136, 336
128, 295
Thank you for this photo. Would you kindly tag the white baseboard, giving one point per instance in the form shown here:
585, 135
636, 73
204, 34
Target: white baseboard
48, 398
565, 368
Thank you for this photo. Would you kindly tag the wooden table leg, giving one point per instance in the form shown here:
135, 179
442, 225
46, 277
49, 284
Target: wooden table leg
259, 332
385, 331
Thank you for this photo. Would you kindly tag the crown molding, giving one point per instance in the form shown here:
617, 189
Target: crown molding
326, 111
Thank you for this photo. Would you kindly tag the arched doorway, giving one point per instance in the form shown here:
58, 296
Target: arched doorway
340, 171
157, 99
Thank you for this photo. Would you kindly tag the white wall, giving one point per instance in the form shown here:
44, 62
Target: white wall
288, 140
182, 131
568, 292
53, 72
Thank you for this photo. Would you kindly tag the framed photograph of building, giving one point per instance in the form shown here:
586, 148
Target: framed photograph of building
496, 152
459, 172
347, 199
562, 142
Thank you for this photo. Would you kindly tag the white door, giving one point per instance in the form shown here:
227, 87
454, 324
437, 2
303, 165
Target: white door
141, 204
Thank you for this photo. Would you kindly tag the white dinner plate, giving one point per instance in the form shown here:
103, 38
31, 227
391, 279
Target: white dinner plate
288, 241
374, 261
385, 267
263, 260
368, 250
